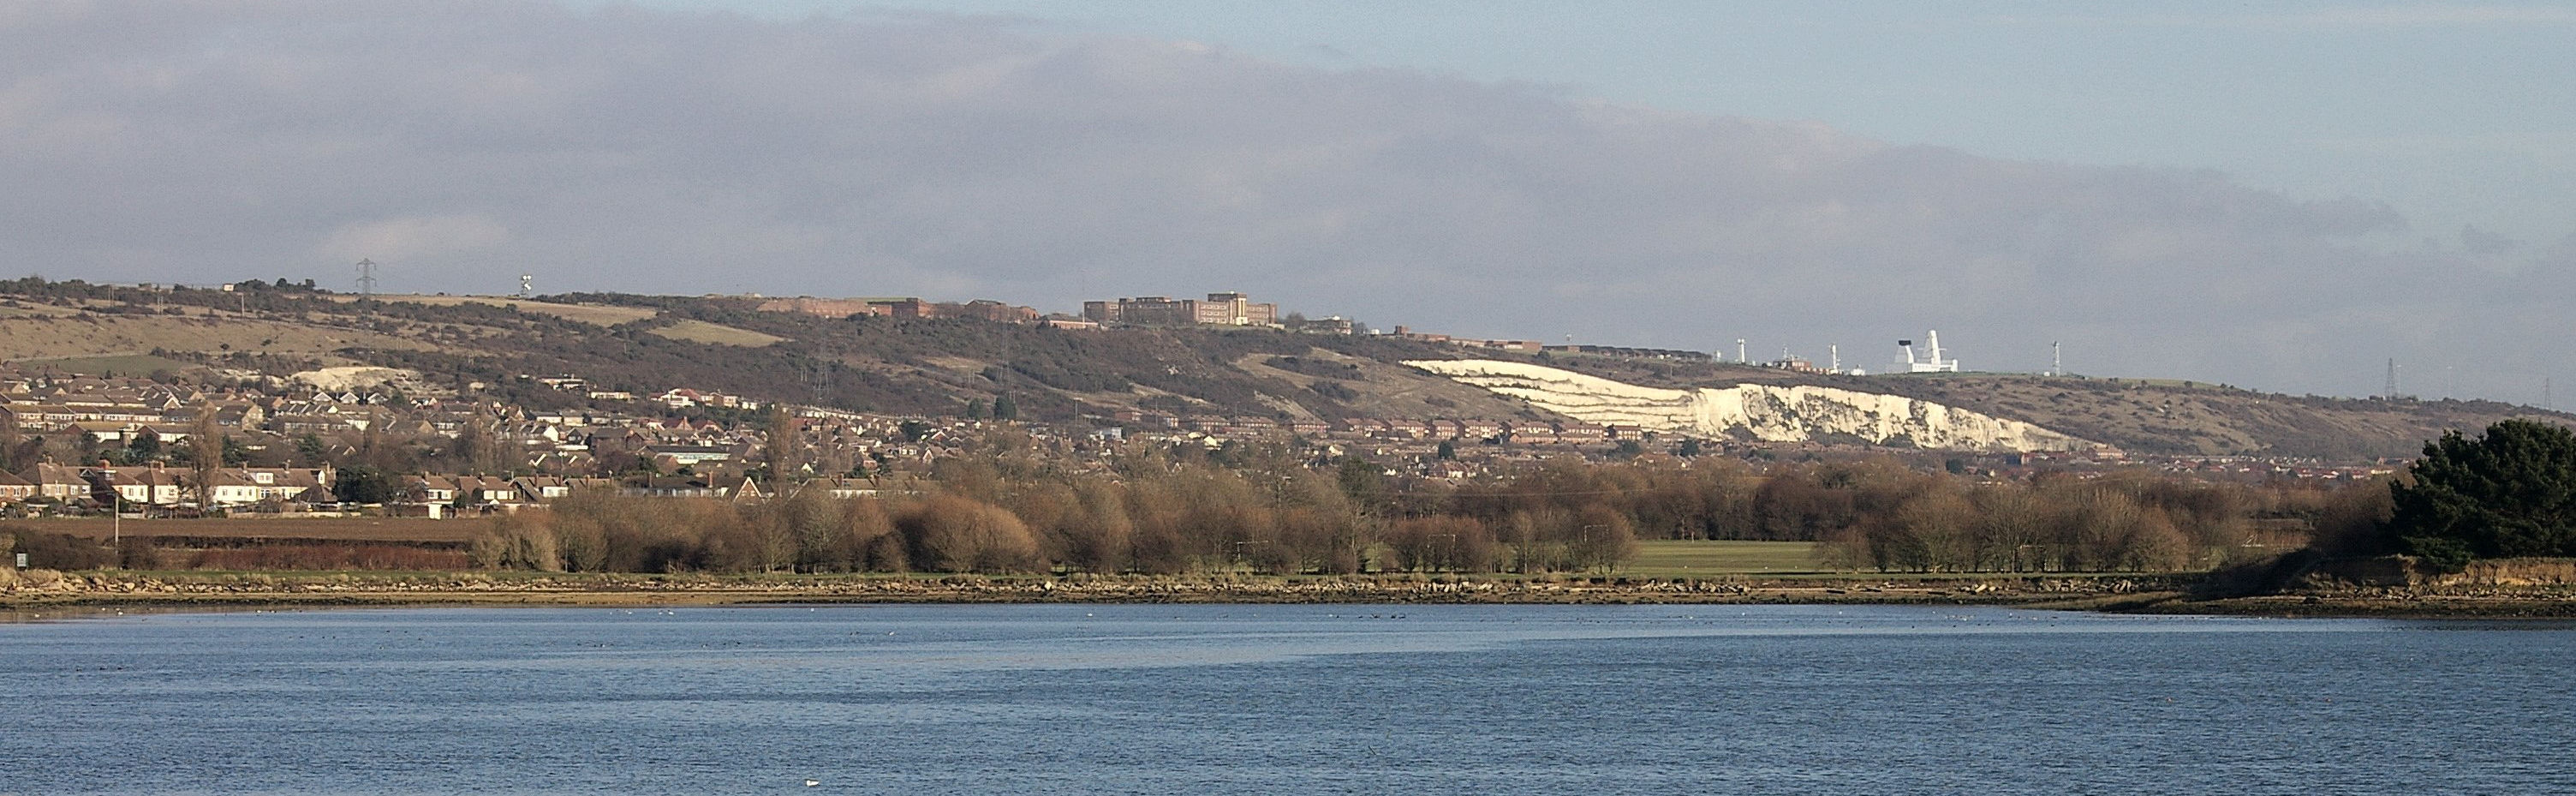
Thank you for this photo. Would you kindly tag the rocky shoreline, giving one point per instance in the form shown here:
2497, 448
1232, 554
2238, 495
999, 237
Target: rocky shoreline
59, 592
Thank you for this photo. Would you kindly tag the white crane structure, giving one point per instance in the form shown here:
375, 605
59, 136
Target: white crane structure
1931, 364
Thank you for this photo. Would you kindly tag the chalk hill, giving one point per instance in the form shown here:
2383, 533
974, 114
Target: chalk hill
1757, 412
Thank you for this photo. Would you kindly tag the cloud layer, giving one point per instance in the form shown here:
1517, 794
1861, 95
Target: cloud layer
463, 143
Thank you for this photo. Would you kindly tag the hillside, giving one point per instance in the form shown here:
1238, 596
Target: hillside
646, 344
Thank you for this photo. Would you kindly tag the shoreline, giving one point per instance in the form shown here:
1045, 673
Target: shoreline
88, 592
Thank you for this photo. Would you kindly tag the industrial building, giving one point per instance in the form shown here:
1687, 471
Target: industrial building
1220, 309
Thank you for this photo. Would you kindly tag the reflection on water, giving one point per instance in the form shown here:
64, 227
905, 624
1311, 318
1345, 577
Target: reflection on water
1280, 699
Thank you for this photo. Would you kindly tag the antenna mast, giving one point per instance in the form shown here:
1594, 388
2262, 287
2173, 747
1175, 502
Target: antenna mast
1834, 352
2391, 392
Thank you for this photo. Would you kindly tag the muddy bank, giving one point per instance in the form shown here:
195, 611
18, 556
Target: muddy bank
2507, 603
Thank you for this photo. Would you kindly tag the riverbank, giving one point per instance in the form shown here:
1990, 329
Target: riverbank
285, 589
45, 592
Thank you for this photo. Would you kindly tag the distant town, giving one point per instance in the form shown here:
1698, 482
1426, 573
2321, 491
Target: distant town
343, 440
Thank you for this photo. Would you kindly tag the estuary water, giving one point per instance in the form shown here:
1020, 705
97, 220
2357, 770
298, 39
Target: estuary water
1239, 700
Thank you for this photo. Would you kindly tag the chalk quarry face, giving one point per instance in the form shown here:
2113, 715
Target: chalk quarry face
1770, 413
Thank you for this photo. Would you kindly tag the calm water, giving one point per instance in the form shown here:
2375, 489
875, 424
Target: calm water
1281, 700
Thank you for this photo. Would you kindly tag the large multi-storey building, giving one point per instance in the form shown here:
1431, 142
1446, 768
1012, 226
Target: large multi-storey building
1220, 309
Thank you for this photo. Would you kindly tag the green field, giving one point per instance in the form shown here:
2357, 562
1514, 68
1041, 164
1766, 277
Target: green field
1688, 559
697, 331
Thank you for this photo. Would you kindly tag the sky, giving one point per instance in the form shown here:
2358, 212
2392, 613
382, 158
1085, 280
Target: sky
2275, 195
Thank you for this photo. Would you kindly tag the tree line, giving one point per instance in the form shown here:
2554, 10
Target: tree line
1156, 513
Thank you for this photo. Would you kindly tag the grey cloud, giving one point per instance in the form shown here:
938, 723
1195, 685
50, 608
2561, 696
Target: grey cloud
633, 150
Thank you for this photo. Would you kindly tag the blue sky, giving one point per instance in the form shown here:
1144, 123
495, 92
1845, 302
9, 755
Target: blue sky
2456, 114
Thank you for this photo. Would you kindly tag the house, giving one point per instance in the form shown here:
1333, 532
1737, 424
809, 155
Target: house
486, 491
232, 489
543, 488
57, 482
433, 489
843, 488
14, 489
106, 431
37, 417
744, 489
680, 486
151, 485
245, 485
686, 455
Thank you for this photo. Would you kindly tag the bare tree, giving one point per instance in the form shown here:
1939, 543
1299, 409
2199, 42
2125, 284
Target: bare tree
206, 451
783, 445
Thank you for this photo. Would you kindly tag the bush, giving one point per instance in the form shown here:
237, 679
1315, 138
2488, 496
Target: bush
948, 533
62, 551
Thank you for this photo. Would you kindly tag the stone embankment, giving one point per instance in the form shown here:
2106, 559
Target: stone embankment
62, 589
42, 592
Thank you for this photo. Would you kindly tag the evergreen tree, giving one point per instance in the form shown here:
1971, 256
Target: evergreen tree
9, 440
2510, 492
363, 484
311, 448
142, 448
1004, 408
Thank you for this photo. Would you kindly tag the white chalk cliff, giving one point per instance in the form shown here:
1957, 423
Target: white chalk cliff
1771, 413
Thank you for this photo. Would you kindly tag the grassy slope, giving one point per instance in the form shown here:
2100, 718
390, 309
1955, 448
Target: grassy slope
51, 336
